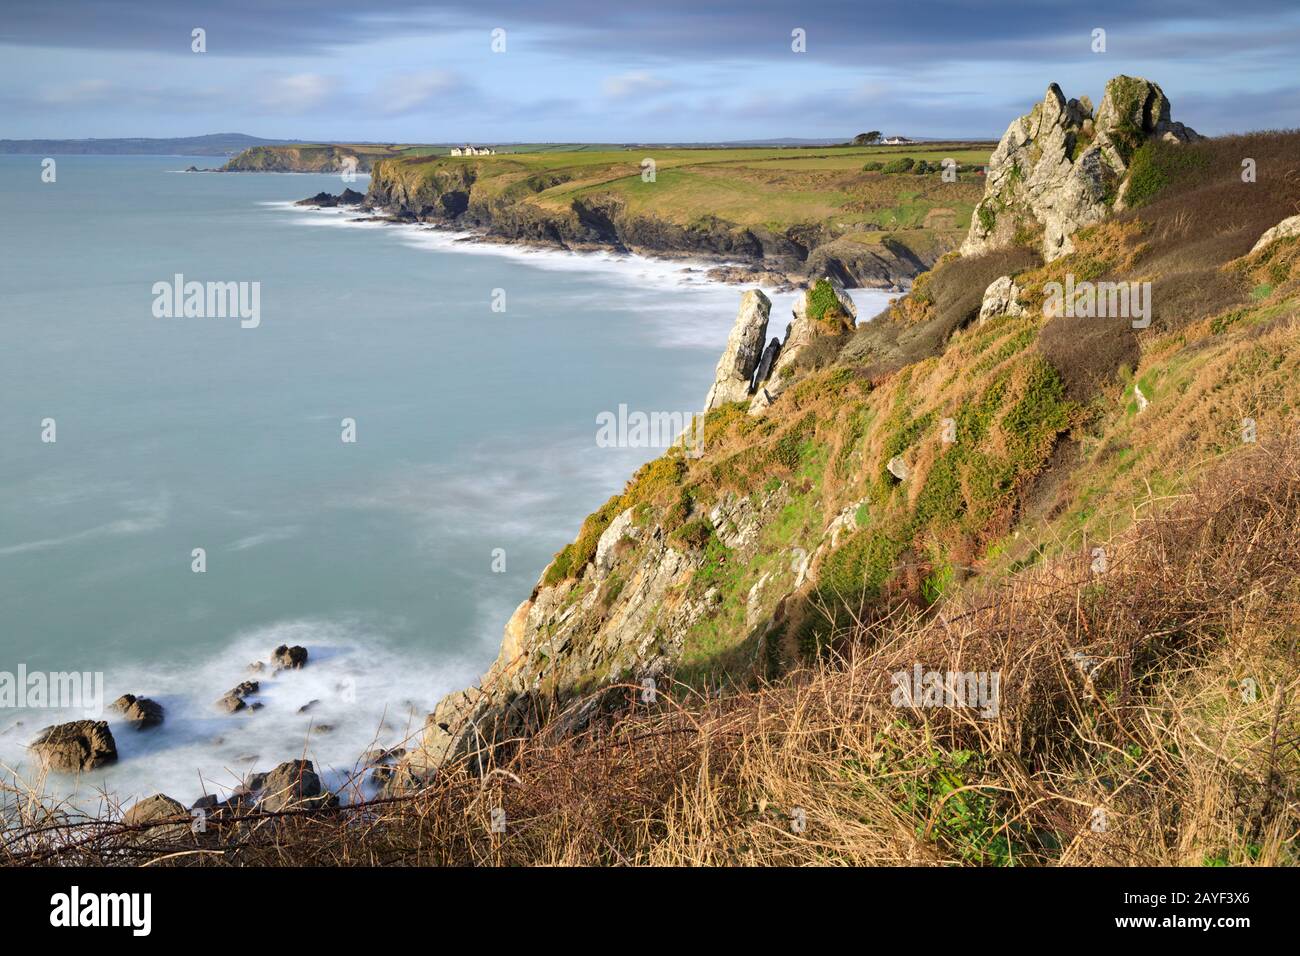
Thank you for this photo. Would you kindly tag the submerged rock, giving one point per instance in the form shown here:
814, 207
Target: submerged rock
75, 746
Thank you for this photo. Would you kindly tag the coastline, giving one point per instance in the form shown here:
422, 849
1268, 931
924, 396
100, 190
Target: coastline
698, 268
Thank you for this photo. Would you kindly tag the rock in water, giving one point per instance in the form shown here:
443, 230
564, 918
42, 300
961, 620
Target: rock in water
1059, 168
76, 746
234, 701
289, 658
140, 711
739, 361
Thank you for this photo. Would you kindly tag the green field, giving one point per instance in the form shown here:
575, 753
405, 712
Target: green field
775, 187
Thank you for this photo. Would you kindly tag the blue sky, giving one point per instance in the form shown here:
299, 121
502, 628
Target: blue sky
650, 71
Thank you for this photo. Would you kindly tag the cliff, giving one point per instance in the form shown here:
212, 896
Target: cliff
307, 158
852, 470
816, 216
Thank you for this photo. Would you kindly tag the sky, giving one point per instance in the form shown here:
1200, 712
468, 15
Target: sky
624, 70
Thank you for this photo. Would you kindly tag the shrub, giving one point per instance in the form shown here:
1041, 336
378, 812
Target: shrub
900, 165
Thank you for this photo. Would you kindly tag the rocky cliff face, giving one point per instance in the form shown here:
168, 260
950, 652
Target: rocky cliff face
590, 636
297, 159
449, 196
1060, 168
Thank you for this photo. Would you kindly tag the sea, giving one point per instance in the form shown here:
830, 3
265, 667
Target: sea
371, 451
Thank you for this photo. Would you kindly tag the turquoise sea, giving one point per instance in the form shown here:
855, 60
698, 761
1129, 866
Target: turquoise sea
475, 448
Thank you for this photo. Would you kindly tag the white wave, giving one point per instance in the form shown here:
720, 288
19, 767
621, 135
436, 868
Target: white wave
269, 536
367, 691
700, 318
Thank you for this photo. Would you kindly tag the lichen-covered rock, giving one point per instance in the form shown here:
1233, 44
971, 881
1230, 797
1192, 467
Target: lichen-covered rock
76, 746
1283, 230
1059, 169
140, 711
898, 468
735, 372
1000, 298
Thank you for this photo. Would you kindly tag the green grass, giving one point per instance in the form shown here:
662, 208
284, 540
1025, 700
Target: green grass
773, 188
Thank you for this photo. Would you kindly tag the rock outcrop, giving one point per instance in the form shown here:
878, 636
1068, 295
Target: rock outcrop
1059, 168
1000, 298
76, 746
821, 310
734, 379
1283, 230
324, 200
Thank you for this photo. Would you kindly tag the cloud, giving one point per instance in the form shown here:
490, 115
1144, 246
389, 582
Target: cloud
409, 92
637, 83
82, 93
296, 92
